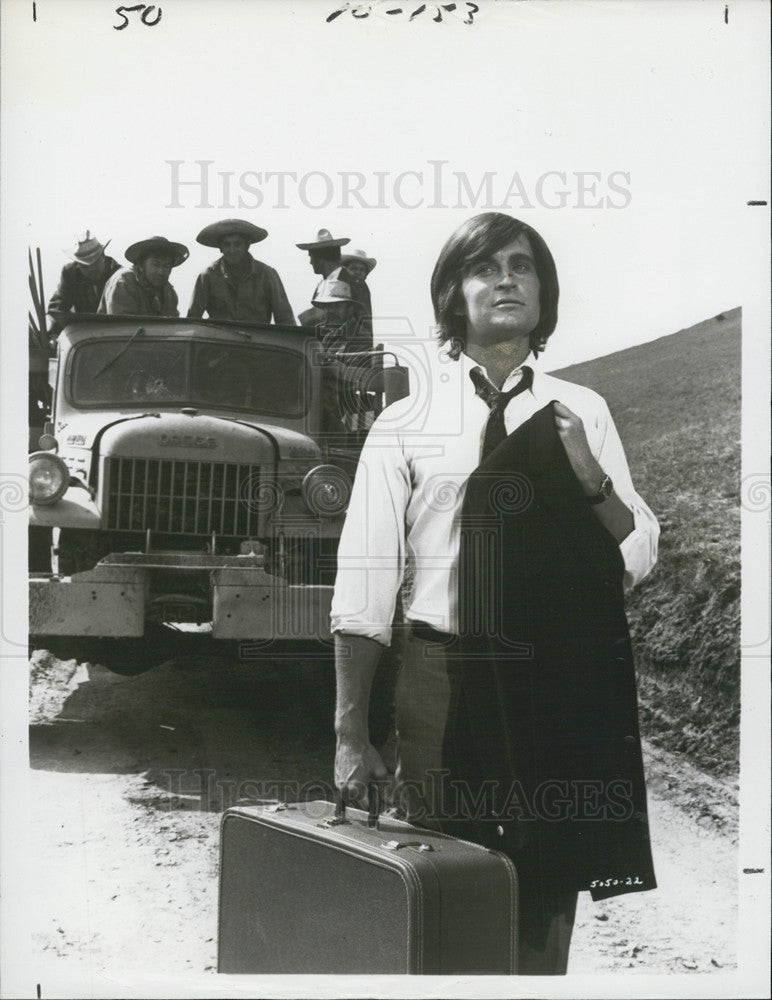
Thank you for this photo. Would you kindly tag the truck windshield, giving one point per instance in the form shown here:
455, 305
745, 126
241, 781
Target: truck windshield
257, 378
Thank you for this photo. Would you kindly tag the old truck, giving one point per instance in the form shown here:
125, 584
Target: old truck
193, 482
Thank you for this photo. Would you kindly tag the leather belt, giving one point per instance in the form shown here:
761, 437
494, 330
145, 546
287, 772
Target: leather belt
423, 631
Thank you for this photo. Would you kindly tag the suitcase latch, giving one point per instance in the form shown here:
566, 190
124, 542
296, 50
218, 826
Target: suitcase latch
415, 845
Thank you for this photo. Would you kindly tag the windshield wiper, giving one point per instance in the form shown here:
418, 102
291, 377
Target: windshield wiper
120, 354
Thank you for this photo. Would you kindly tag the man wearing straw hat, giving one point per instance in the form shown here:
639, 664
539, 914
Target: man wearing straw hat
144, 289
340, 330
325, 258
358, 263
342, 312
82, 281
236, 286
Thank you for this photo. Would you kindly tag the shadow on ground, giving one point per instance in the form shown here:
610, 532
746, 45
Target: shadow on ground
202, 732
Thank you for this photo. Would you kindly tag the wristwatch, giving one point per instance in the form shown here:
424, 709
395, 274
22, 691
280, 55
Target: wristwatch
605, 490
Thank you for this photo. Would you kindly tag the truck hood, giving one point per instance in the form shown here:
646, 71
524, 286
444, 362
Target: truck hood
194, 436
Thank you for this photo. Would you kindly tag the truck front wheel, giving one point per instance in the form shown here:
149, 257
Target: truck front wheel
126, 656
77, 550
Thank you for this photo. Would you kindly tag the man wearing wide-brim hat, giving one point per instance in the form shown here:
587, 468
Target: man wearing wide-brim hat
343, 338
342, 312
358, 263
325, 257
144, 288
237, 286
83, 280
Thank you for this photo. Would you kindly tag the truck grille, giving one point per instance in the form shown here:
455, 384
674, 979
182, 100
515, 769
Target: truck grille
182, 498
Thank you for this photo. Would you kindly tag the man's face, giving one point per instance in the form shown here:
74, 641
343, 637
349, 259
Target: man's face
358, 269
234, 249
93, 271
157, 270
316, 262
336, 313
500, 295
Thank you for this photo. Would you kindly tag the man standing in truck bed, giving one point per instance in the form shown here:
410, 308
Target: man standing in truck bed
144, 289
516, 711
324, 256
83, 280
236, 286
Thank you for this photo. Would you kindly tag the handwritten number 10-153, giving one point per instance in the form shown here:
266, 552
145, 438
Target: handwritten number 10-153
146, 16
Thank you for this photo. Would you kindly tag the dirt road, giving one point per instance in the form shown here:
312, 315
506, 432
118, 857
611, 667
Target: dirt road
130, 775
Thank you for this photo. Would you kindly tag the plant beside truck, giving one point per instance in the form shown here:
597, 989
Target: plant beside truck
192, 480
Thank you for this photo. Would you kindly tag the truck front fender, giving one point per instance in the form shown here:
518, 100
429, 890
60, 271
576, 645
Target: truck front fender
76, 509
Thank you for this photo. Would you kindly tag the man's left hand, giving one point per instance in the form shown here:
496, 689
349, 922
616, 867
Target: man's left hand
571, 431
612, 513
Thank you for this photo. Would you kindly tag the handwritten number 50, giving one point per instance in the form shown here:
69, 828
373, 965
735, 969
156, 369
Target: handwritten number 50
145, 16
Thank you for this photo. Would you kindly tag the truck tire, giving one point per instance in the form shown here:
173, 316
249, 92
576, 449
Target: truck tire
77, 550
128, 657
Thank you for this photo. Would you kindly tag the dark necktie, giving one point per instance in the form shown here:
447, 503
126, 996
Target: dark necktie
495, 428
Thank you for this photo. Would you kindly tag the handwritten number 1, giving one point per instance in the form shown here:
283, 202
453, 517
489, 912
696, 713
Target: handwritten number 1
145, 16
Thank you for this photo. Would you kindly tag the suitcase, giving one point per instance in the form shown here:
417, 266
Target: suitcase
312, 888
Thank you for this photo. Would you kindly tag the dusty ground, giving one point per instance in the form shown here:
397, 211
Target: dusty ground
130, 776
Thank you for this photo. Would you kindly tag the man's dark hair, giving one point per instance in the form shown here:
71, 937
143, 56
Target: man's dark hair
477, 239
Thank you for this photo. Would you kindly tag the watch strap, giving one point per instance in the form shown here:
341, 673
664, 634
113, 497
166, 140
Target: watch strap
605, 490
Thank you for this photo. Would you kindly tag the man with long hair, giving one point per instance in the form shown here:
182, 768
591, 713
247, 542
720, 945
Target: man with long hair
517, 679
144, 288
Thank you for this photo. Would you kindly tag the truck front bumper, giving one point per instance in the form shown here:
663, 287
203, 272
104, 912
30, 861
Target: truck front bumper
113, 599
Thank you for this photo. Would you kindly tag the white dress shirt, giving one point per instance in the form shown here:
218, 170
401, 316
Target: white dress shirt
406, 503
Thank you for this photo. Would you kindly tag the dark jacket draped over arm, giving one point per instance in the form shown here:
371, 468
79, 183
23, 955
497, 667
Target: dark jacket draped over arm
546, 704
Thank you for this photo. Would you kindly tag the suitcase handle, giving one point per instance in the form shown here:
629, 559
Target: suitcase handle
413, 845
373, 804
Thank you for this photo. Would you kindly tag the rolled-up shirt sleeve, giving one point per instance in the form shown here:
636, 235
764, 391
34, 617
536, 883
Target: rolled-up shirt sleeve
371, 554
639, 549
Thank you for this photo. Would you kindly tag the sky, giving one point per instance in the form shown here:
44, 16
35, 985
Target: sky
622, 131
632, 134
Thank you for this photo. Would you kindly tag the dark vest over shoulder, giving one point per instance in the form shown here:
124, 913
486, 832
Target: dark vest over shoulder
546, 705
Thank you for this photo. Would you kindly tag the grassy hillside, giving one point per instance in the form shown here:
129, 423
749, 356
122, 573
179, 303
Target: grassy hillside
676, 403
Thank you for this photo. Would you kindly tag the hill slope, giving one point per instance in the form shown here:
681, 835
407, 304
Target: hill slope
676, 403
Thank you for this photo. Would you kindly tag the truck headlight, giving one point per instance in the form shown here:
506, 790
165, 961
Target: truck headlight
49, 477
326, 490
